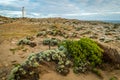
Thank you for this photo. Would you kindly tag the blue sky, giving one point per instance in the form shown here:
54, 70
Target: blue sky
75, 9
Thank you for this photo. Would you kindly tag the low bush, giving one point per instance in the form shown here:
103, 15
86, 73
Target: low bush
26, 42
42, 33
84, 53
52, 41
28, 70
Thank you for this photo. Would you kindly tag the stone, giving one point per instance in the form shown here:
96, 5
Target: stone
111, 54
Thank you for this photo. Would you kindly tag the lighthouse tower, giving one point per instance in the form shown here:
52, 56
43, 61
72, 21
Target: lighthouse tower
23, 12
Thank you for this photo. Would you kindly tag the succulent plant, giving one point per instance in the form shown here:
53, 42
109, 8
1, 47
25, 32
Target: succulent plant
35, 59
42, 33
62, 70
46, 41
26, 42
52, 41
68, 63
30, 38
23, 41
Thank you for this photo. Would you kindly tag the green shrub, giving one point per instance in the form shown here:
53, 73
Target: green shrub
26, 42
84, 53
42, 33
52, 41
30, 38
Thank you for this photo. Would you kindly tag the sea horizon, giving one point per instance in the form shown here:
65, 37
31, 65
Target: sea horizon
111, 21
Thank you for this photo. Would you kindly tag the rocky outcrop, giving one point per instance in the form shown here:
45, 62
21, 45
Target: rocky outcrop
111, 54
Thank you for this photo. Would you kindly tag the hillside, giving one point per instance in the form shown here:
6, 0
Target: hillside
12, 30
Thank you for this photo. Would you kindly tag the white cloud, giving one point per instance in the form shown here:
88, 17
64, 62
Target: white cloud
6, 2
41, 15
11, 13
60, 8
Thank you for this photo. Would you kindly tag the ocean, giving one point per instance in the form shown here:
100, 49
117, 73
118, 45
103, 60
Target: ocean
111, 21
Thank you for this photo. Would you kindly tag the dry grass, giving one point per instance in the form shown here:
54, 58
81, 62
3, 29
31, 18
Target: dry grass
17, 30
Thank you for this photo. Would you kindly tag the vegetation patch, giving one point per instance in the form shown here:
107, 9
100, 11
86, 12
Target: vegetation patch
42, 33
85, 53
51, 42
29, 69
81, 55
26, 41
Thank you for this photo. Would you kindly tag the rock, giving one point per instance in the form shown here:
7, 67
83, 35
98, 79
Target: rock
111, 54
